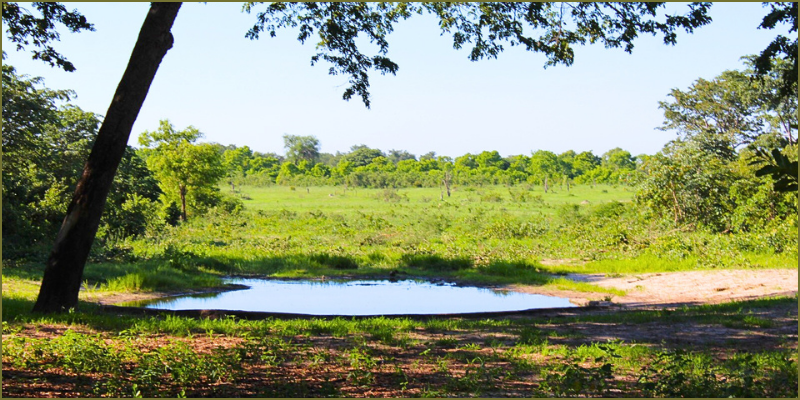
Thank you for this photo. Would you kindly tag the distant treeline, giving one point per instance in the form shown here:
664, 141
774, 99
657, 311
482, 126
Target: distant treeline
367, 167
713, 176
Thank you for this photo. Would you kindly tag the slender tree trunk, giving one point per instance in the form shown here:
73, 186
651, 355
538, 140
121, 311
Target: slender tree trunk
677, 206
447, 177
64, 269
183, 202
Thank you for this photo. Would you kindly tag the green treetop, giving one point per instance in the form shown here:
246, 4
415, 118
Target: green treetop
182, 167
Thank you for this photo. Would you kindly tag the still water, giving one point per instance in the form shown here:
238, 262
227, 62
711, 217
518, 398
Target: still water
360, 297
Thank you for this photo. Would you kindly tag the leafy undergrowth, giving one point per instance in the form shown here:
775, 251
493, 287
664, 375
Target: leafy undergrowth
742, 349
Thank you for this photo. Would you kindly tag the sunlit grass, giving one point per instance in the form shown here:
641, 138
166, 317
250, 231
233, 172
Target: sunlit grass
325, 231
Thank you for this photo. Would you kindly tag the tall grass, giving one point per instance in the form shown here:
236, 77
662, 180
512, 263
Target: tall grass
330, 231
522, 236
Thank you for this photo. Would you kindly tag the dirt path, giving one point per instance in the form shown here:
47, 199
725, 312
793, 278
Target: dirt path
689, 287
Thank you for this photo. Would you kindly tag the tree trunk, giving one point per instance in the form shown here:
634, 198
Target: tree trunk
447, 178
64, 269
183, 202
677, 206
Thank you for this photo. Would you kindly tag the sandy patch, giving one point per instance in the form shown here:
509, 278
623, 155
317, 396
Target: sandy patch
686, 287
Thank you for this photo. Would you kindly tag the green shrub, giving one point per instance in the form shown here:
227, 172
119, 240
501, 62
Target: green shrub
170, 213
612, 209
491, 197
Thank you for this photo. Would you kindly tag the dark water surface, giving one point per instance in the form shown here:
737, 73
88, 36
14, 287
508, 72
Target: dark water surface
361, 297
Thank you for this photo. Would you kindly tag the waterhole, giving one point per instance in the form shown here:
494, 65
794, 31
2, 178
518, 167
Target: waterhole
357, 297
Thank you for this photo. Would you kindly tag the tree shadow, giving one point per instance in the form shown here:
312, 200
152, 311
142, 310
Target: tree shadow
434, 263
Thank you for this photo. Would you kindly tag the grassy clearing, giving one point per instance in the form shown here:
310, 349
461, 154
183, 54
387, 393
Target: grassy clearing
414, 229
486, 235
490, 235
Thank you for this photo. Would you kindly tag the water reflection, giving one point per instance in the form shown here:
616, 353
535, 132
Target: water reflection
360, 297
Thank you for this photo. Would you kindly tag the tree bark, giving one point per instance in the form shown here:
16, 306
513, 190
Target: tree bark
447, 177
183, 202
64, 269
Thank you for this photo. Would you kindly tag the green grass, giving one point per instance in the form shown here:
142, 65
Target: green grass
348, 202
473, 357
311, 233
325, 231
299, 234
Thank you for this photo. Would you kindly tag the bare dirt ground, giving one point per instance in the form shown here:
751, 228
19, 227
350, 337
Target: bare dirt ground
671, 289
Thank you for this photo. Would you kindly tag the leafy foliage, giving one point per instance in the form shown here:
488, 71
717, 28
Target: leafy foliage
688, 184
44, 148
487, 26
305, 148
782, 47
736, 105
22, 27
782, 170
727, 125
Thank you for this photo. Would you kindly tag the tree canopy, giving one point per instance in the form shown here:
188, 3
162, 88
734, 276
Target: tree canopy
301, 148
22, 28
737, 104
781, 48
45, 145
740, 108
552, 29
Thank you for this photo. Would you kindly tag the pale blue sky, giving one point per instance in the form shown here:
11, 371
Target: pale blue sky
244, 92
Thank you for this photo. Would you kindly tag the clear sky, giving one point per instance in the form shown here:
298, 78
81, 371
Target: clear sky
243, 92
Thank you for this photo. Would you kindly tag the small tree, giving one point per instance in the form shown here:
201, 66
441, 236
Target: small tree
300, 148
447, 178
236, 162
179, 164
361, 155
